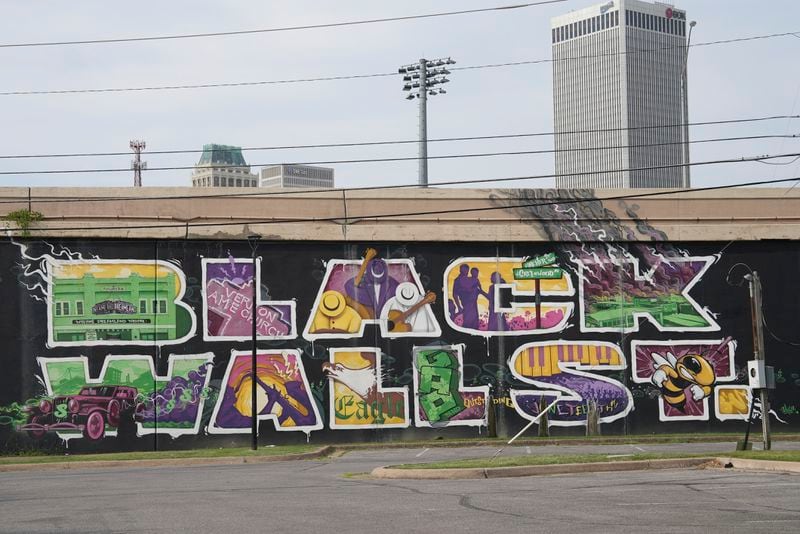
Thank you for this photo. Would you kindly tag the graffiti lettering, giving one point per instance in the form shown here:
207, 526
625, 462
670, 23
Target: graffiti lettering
475, 288
357, 396
125, 382
228, 302
439, 389
615, 294
685, 372
558, 367
373, 290
283, 394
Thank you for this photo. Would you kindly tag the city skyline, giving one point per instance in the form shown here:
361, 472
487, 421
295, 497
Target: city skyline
726, 81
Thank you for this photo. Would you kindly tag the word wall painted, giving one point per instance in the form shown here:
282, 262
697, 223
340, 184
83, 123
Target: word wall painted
112, 344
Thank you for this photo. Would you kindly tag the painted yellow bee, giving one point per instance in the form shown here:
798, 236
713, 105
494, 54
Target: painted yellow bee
673, 375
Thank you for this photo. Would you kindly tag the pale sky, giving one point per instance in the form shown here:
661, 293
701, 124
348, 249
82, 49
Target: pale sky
731, 81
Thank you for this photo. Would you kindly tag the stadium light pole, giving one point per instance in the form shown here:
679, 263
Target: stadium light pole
420, 80
253, 239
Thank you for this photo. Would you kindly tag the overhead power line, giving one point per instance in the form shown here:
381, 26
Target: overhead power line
405, 158
197, 86
378, 74
276, 30
633, 51
549, 202
296, 192
412, 141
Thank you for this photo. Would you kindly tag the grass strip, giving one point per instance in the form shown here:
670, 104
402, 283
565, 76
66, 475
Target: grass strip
551, 459
160, 455
560, 440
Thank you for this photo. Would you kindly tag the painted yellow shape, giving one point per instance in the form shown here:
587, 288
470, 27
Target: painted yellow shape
112, 270
539, 361
733, 401
355, 360
593, 360
506, 270
547, 369
523, 364
543, 360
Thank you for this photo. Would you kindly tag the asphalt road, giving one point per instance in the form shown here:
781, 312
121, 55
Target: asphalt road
314, 496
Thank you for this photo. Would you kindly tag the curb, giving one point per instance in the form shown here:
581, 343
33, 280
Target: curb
759, 465
538, 470
169, 462
608, 440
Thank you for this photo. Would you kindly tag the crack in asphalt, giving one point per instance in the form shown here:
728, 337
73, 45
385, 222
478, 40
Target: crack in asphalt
464, 502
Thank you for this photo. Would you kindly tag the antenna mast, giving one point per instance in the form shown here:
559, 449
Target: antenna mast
137, 164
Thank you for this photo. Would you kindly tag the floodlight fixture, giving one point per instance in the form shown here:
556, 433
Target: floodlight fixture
420, 80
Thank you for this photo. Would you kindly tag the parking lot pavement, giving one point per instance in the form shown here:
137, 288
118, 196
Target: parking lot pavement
435, 454
314, 496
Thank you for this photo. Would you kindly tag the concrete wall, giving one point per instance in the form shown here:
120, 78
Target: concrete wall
113, 343
500, 215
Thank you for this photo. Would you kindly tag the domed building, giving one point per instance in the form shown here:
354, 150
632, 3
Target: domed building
223, 166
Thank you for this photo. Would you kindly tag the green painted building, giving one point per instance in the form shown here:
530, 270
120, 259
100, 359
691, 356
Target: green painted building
135, 308
669, 311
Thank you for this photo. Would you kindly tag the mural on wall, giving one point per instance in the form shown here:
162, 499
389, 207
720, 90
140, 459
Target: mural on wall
732, 402
439, 391
571, 310
373, 290
228, 303
616, 293
559, 369
685, 373
357, 396
283, 394
93, 301
127, 390
736, 402
117, 302
623, 279
481, 296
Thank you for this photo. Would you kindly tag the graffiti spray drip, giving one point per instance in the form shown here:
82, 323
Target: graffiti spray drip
37, 269
757, 411
593, 228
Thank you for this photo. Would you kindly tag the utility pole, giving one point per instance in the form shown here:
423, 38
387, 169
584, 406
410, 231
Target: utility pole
757, 316
253, 239
137, 164
421, 79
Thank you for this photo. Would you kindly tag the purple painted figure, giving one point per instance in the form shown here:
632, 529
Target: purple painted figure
466, 290
376, 287
460, 288
497, 321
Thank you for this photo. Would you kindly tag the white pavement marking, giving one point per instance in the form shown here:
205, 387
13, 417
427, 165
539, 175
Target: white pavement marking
739, 486
671, 503
528, 450
773, 520
426, 449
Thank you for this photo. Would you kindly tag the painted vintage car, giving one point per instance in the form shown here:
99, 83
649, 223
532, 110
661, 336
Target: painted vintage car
88, 412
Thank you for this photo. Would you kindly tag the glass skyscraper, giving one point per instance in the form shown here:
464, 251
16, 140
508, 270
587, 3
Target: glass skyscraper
619, 96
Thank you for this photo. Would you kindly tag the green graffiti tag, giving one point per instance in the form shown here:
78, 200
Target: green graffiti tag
438, 385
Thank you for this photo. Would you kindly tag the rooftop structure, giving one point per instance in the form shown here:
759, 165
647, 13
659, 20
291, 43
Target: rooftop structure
297, 176
222, 166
